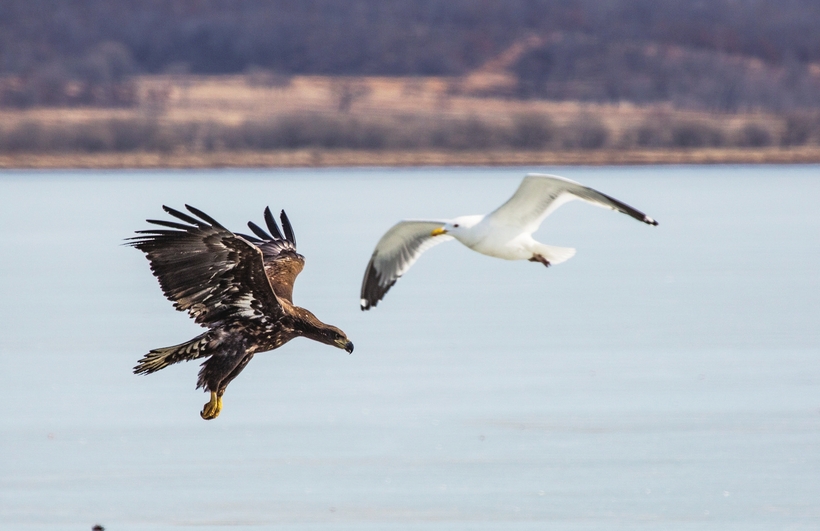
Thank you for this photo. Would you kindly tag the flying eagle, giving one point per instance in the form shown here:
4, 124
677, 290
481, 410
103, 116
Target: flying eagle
238, 286
504, 233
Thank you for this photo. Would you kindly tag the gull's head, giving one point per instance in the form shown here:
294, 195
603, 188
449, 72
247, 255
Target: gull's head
458, 226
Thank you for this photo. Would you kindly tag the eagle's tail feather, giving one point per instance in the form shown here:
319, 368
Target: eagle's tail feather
159, 358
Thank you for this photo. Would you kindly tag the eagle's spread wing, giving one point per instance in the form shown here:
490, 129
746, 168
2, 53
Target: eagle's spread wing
539, 195
208, 271
396, 251
282, 262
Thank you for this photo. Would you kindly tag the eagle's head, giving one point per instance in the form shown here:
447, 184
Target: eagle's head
315, 329
337, 338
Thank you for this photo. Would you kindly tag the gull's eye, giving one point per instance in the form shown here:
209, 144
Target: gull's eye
456, 225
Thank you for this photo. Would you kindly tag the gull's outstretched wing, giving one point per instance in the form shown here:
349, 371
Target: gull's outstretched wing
207, 270
396, 251
282, 263
539, 195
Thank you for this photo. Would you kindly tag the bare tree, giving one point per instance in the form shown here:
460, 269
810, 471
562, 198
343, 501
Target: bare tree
348, 91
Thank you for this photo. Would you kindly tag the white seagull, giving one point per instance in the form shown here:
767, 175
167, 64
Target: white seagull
504, 233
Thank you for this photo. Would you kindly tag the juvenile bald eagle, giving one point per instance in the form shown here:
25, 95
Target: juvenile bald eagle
238, 286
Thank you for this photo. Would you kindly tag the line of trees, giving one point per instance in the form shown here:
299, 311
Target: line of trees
101, 76
345, 131
587, 68
684, 51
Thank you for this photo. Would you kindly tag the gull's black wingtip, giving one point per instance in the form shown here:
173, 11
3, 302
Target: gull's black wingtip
650, 221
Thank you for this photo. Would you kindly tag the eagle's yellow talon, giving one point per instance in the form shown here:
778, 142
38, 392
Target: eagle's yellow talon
211, 410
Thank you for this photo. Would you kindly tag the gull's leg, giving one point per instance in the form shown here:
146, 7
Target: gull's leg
211, 410
539, 258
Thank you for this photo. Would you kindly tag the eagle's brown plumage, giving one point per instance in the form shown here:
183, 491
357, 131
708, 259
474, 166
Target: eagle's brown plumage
238, 286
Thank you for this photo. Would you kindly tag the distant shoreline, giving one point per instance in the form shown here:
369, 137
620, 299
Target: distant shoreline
351, 158
233, 121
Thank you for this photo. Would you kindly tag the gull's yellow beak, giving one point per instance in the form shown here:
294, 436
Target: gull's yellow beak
438, 232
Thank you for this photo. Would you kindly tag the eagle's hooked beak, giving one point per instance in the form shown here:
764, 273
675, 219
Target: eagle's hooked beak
438, 232
346, 345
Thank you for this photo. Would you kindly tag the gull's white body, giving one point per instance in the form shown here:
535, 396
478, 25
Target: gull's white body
485, 235
504, 233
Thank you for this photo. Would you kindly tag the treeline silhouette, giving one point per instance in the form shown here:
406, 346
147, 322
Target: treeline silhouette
590, 68
721, 54
521, 132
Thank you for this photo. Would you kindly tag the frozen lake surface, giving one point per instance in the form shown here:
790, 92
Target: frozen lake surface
665, 378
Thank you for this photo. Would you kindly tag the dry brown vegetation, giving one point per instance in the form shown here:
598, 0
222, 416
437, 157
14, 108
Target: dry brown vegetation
261, 119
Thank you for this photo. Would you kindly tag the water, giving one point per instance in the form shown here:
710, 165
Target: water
664, 378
